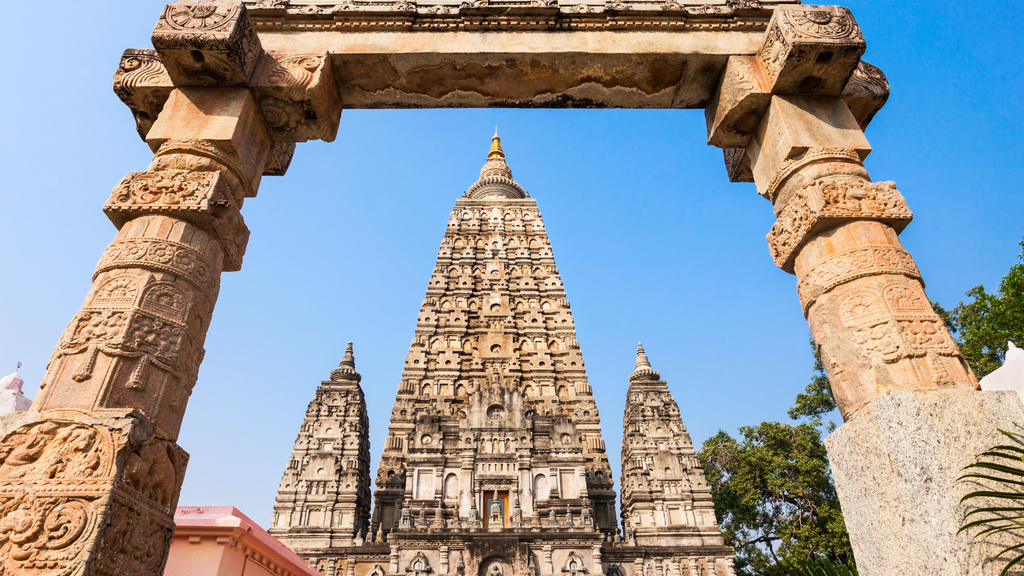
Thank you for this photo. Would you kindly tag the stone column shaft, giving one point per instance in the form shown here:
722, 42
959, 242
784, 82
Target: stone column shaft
837, 231
94, 465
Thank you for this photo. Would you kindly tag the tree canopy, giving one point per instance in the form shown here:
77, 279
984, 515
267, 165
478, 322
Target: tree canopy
985, 324
772, 487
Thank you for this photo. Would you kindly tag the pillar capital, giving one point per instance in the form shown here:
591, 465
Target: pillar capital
810, 50
207, 43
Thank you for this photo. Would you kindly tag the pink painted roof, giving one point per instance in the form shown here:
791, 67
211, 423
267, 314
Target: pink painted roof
211, 519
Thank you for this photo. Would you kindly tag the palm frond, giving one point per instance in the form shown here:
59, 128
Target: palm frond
1000, 505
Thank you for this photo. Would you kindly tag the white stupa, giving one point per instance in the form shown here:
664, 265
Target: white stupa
1009, 376
11, 397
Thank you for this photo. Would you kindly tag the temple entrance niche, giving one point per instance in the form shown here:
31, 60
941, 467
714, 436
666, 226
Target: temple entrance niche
497, 509
495, 566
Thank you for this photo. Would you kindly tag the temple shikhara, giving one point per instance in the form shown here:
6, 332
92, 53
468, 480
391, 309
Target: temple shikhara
494, 463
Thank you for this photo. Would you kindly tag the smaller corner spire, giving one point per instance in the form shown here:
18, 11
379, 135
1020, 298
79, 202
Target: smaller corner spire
643, 369
347, 367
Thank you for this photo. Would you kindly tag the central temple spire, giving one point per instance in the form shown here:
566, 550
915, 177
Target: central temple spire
496, 177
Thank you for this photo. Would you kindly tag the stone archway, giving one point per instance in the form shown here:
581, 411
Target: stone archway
232, 86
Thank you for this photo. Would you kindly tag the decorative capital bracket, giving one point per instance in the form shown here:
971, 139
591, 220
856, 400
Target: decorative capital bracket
207, 43
811, 50
807, 51
297, 96
142, 83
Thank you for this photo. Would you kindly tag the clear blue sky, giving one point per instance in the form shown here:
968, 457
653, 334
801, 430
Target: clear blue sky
652, 241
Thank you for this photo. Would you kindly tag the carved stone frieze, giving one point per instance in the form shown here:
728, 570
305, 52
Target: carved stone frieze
811, 50
879, 333
866, 92
207, 43
846, 161
830, 201
850, 265
297, 96
179, 259
67, 479
200, 197
142, 83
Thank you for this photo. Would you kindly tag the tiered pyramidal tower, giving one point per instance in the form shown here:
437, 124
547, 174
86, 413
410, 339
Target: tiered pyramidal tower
494, 404
324, 496
494, 463
665, 497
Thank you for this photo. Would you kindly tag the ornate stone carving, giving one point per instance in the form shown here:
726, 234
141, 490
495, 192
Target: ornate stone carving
852, 264
811, 50
207, 43
297, 96
59, 476
830, 201
737, 105
142, 83
279, 158
815, 155
199, 197
737, 165
866, 92
175, 258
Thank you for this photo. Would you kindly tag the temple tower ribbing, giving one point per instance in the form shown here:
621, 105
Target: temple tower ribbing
494, 403
665, 497
324, 498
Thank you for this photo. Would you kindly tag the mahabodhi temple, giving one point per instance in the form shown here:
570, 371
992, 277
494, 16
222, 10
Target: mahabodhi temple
494, 464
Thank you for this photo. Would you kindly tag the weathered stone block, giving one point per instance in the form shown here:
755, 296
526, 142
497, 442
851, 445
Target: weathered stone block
298, 96
736, 108
142, 83
795, 125
220, 123
207, 43
866, 93
75, 482
811, 50
895, 467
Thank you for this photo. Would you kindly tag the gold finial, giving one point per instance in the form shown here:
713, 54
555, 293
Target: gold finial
496, 151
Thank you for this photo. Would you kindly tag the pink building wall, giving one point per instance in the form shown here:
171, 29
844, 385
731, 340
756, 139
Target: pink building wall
221, 541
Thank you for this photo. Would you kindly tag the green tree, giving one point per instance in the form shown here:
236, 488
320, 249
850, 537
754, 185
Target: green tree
772, 487
987, 322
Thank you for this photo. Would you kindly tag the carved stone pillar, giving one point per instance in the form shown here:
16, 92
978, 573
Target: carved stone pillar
837, 231
913, 415
91, 475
